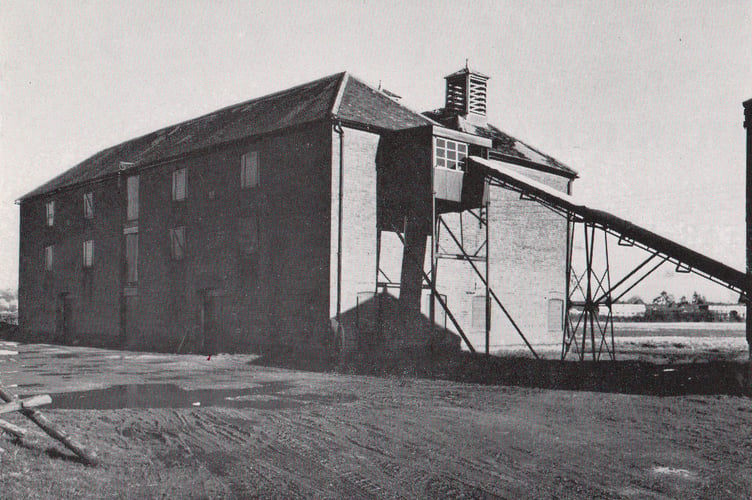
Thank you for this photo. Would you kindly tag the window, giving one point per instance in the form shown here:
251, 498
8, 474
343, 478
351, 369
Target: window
88, 253
479, 312
555, 315
133, 197
177, 243
49, 256
248, 234
50, 213
178, 185
449, 154
131, 257
249, 170
89, 205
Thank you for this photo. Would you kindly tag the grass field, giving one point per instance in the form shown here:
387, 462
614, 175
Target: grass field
635, 329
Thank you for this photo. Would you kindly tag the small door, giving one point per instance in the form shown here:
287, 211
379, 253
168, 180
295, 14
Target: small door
210, 321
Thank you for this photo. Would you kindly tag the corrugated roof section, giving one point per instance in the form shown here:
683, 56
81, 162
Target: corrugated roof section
676, 252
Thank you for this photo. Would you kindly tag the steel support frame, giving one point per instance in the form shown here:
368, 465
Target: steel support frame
484, 276
572, 328
475, 256
586, 292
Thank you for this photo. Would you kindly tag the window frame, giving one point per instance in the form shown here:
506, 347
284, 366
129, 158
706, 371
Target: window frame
132, 194
250, 170
50, 213
49, 257
88, 254
179, 194
178, 247
249, 234
89, 205
557, 325
131, 257
449, 153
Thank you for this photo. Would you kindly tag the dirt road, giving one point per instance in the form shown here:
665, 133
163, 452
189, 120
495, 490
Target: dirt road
277, 433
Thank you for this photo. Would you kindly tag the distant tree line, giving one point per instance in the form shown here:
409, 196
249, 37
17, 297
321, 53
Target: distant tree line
8, 306
665, 308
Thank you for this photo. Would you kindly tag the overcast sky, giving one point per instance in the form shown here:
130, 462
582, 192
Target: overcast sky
643, 99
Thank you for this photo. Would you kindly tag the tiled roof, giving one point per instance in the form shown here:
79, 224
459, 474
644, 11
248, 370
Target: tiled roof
340, 96
301, 104
355, 101
503, 143
363, 104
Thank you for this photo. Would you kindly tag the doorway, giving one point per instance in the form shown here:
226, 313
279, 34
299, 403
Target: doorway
210, 320
65, 318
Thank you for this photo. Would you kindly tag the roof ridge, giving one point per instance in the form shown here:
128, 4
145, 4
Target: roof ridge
380, 93
226, 108
340, 92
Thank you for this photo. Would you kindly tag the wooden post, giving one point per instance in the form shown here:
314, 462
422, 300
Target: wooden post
35, 416
20, 404
15, 430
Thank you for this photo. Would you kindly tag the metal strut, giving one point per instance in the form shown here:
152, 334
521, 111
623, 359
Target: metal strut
595, 291
490, 291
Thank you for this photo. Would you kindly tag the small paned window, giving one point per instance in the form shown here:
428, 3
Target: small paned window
49, 257
179, 190
88, 253
89, 205
50, 213
449, 154
249, 170
133, 197
177, 243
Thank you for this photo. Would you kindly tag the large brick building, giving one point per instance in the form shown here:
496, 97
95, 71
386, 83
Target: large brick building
263, 223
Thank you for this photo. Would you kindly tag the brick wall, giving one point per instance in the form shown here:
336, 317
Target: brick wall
527, 267
275, 296
93, 294
358, 272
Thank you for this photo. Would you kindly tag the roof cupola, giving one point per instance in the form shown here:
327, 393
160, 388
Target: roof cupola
466, 93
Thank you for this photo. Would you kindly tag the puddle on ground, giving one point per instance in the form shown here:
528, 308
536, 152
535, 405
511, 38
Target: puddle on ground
263, 396
65, 355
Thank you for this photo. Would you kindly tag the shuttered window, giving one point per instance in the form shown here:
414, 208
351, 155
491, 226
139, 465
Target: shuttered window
177, 243
479, 312
89, 205
179, 187
133, 197
88, 253
49, 256
555, 315
249, 170
131, 257
248, 234
50, 213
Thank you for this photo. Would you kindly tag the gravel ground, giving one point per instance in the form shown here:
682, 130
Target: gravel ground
237, 426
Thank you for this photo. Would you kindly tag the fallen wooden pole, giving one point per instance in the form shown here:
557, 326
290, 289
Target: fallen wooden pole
20, 404
17, 431
36, 416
